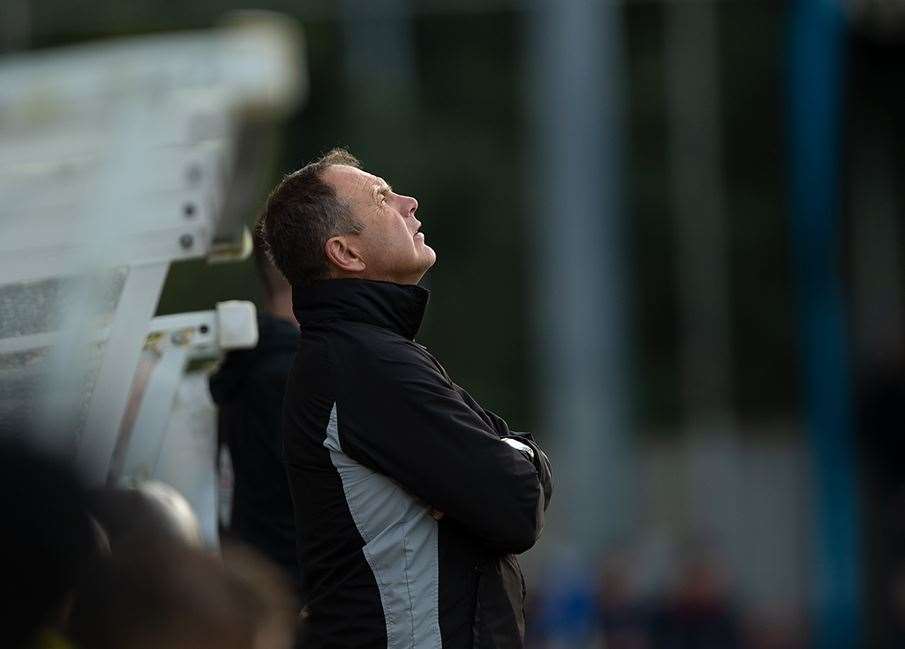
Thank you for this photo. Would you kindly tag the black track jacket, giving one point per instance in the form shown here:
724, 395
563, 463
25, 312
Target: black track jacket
248, 389
377, 439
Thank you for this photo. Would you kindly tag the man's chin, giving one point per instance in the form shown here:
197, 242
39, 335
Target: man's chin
428, 260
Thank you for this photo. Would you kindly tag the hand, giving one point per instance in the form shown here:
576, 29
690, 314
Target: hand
526, 450
436, 514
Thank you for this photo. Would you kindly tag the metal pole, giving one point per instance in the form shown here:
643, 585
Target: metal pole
579, 278
379, 66
15, 26
691, 39
699, 205
816, 88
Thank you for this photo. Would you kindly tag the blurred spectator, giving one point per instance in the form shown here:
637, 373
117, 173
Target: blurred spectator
623, 616
699, 614
159, 589
159, 592
49, 541
273, 589
566, 607
151, 510
248, 389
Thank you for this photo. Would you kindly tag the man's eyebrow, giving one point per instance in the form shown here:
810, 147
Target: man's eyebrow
383, 188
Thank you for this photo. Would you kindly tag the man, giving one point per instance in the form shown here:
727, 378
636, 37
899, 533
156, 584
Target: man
248, 389
410, 498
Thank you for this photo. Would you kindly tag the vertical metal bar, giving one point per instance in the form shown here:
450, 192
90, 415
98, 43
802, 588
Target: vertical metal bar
581, 300
15, 26
876, 252
691, 51
127, 335
379, 42
699, 206
147, 435
816, 89
379, 67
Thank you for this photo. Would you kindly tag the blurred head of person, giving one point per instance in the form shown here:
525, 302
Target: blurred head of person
332, 219
158, 592
276, 289
48, 537
147, 511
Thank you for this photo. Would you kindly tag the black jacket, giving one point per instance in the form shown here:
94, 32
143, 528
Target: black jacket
378, 440
248, 390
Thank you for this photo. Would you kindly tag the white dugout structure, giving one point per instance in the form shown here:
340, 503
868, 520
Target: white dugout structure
117, 159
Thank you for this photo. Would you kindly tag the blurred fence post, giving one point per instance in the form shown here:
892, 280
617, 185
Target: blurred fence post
699, 208
379, 47
816, 90
380, 69
579, 275
15, 27
702, 271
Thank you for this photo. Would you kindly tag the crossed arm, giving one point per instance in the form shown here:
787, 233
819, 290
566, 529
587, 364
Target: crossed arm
412, 424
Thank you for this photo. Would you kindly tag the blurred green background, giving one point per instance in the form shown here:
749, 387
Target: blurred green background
441, 103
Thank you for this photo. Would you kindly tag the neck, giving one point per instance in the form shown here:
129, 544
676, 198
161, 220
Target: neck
279, 305
397, 307
411, 280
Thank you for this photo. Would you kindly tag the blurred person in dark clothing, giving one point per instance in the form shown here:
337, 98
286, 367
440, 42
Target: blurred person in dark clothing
624, 618
158, 592
699, 614
149, 510
248, 389
48, 542
411, 499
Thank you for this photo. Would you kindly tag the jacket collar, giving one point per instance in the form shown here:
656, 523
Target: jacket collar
397, 307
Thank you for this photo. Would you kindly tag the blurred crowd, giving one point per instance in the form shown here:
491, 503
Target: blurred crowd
696, 608
125, 569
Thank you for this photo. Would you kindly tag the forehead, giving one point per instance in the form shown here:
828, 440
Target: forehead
351, 182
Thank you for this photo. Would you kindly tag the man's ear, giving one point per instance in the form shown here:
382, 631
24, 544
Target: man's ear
343, 254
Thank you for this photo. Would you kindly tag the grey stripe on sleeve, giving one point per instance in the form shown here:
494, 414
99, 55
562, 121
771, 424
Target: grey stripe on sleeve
400, 547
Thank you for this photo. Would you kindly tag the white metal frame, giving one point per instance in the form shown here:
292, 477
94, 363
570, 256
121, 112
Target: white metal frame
123, 155
177, 339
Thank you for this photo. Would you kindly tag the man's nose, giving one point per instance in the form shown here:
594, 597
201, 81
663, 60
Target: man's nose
411, 205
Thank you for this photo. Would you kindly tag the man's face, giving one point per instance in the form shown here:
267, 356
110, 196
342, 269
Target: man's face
390, 245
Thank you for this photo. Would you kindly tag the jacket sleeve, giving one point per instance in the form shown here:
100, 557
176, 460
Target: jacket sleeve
400, 415
501, 428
